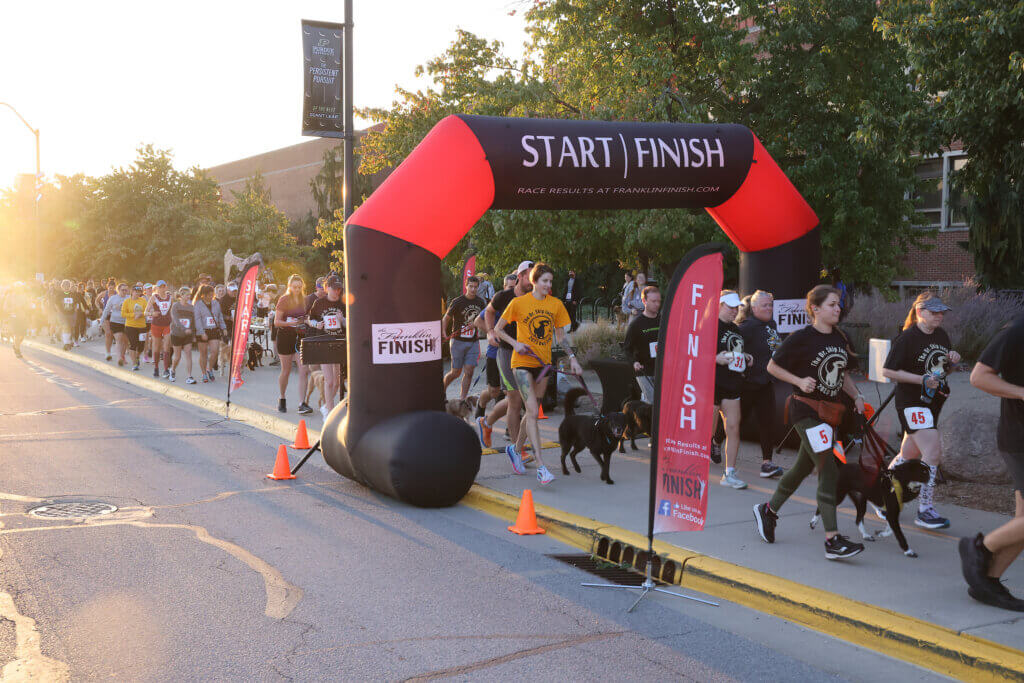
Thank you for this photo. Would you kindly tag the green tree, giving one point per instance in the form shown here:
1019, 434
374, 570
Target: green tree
968, 56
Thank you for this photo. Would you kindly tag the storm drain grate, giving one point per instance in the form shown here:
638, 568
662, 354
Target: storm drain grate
72, 510
604, 569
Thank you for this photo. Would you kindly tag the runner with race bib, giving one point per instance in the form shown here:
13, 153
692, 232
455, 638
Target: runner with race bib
814, 360
730, 366
919, 361
328, 314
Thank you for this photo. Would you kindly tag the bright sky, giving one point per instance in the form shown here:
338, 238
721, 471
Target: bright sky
213, 81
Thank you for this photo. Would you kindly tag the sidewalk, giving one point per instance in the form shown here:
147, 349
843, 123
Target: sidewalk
929, 588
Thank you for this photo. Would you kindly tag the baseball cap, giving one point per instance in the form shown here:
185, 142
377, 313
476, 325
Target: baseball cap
138, 286
149, 285
160, 283
730, 299
935, 305
231, 286
334, 282
524, 266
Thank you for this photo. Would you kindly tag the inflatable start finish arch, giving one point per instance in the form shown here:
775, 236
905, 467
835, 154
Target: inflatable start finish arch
390, 434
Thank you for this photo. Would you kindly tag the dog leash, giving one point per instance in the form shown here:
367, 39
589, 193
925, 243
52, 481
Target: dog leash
548, 367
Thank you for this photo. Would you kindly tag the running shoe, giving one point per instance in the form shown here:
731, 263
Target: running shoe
206, 378
135, 368
17, 353
770, 469
993, 592
879, 512
716, 452
974, 560
213, 377
930, 519
732, 481
839, 547
156, 372
304, 409
167, 374
190, 380
282, 405
517, 461
171, 377
67, 347
324, 411
543, 476
108, 356
120, 362
484, 431
526, 455
765, 520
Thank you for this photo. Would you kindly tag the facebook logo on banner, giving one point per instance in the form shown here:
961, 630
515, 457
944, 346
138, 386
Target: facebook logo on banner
664, 508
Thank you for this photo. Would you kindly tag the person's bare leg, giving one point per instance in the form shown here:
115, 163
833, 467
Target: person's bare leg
530, 390
187, 350
451, 376
731, 416
467, 381
211, 354
332, 383
514, 416
202, 356
108, 336
303, 372
286, 371
1007, 541
175, 358
498, 411
122, 346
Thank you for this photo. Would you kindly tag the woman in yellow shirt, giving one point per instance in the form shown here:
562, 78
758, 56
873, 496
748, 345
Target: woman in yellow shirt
539, 318
134, 311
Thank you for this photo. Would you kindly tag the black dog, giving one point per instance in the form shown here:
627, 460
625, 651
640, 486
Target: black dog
854, 481
255, 356
638, 421
598, 434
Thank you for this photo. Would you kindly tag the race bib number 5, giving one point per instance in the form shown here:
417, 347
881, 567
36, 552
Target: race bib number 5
919, 418
820, 437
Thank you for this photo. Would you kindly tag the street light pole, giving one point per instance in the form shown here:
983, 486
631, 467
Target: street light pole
38, 186
350, 133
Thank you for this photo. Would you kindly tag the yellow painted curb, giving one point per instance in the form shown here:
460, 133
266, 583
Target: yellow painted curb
897, 635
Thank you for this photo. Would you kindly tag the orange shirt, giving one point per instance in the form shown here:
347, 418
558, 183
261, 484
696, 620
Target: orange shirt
536, 320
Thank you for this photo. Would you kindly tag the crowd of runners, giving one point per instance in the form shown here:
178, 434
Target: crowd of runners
156, 324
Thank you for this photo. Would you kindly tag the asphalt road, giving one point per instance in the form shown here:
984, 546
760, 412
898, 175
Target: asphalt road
208, 570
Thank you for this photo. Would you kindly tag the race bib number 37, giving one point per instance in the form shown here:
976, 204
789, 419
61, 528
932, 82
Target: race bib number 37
919, 418
820, 437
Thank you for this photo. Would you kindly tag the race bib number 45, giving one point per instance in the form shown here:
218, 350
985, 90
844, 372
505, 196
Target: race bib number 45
919, 418
820, 437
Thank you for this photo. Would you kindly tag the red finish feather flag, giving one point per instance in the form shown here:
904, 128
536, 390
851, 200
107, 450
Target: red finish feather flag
684, 394
469, 270
243, 318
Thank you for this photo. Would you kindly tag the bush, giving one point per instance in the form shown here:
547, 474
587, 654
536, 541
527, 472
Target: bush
975, 318
598, 340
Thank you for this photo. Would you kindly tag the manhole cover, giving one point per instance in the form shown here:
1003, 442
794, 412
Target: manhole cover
72, 510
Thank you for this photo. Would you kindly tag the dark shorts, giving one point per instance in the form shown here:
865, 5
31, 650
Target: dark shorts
726, 394
508, 379
181, 341
493, 376
901, 413
116, 328
1015, 466
213, 335
136, 338
287, 342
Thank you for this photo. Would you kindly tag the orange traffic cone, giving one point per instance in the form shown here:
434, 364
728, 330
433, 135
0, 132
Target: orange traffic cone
526, 522
282, 470
540, 412
301, 438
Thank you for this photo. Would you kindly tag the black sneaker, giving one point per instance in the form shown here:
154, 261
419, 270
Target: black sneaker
769, 470
765, 520
716, 452
156, 371
839, 547
974, 560
282, 405
304, 409
993, 592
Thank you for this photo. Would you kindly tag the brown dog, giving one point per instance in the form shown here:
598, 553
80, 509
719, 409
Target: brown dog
224, 358
316, 381
461, 408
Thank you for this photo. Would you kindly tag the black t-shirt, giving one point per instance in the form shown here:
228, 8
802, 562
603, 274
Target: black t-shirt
499, 303
730, 377
66, 302
463, 312
760, 340
809, 353
227, 306
920, 354
641, 342
1005, 355
332, 313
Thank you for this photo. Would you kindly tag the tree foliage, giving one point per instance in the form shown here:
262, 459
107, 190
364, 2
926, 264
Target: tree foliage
968, 55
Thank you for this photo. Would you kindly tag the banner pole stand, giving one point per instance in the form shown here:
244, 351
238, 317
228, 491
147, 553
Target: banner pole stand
648, 585
310, 452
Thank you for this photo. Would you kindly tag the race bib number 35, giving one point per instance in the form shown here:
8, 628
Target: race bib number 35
919, 418
820, 437
332, 322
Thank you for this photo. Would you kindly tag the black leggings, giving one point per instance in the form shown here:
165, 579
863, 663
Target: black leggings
760, 400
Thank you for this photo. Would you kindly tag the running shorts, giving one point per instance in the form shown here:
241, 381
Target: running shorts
493, 376
116, 328
183, 340
1015, 466
935, 408
724, 394
160, 331
508, 380
464, 353
214, 334
136, 337
287, 342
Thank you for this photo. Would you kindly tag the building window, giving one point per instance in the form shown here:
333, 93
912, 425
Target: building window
942, 207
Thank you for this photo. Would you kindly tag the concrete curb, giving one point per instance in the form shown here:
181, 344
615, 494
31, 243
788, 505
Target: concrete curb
891, 633
897, 635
